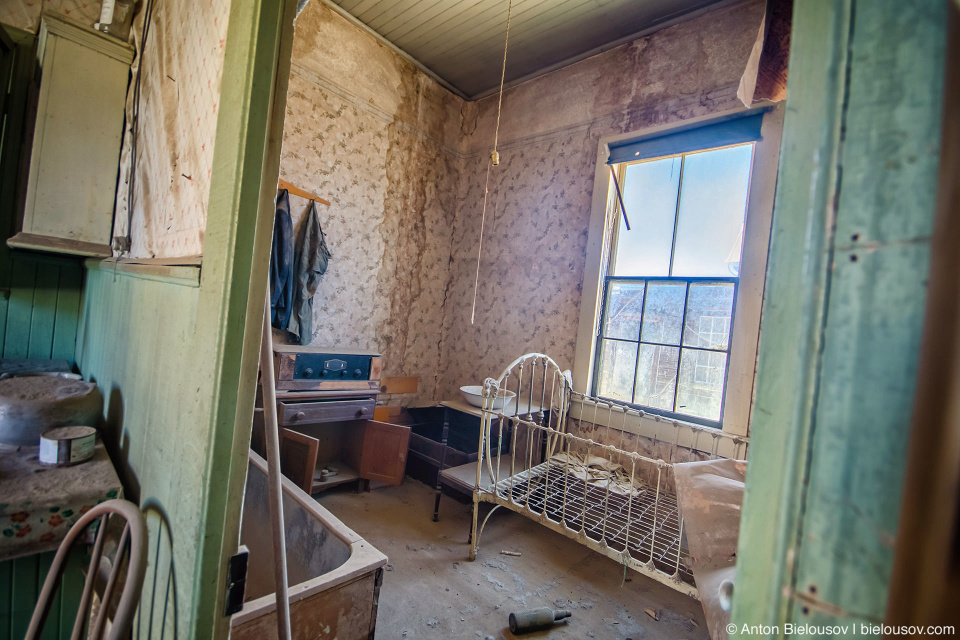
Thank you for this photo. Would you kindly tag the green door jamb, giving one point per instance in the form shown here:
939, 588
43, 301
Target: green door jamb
246, 165
843, 313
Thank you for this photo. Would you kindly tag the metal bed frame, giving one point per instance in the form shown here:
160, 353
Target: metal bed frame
631, 515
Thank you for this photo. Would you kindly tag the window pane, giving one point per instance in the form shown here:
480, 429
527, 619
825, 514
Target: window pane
664, 312
618, 361
657, 376
624, 308
700, 393
650, 197
709, 308
713, 203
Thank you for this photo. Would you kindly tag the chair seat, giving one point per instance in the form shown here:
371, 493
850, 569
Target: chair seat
464, 477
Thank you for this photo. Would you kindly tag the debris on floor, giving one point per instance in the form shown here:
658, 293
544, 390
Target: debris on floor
536, 619
436, 593
510, 553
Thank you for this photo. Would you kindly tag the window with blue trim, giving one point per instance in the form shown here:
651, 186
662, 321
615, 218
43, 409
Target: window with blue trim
670, 290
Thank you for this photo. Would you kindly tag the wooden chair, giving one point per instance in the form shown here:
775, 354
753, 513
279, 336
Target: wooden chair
133, 540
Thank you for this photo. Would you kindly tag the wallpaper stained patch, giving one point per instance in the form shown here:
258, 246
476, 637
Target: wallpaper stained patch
182, 67
376, 150
534, 242
531, 266
25, 14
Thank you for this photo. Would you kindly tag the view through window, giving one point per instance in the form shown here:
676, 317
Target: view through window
671, 285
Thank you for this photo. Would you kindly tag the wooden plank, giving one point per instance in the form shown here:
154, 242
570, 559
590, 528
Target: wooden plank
44, 312
20, 309
51, 629
792, 312
69, 296
6, 599
24, 594
71, 588
401, 384
297, 191
848, 268
878, 289
387, 414
37, 242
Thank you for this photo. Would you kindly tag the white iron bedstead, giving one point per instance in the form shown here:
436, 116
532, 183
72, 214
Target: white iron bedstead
607, 488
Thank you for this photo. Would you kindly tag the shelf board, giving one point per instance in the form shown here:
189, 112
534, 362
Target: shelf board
35, 242
345, 473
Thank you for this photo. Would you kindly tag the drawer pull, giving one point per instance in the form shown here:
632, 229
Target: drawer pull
300, 415
364, 411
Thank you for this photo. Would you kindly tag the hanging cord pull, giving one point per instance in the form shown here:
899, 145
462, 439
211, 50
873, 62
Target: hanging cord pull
616, 184
494, 160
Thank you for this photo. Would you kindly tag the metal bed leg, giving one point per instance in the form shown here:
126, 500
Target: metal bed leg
445, 434
474, 543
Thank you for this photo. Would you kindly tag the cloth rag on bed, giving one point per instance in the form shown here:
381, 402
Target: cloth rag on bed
600, 472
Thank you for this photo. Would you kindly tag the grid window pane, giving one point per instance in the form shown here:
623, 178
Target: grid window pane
657, 376
709, 311
700, 387
624, 310
649, 192
618, 363
663, 316
713, 202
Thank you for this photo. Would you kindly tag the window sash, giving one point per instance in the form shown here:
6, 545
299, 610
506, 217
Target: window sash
601, 337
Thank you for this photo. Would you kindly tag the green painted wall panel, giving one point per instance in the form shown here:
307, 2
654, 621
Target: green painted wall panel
20, 582
843, 313
39, 319
138, 340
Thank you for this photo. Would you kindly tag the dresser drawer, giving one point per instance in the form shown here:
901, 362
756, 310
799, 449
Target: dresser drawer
295, 413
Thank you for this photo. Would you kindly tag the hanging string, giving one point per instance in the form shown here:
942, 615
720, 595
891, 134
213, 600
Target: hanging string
494, 160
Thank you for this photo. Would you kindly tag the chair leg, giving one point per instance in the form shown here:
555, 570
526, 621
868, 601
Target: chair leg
445, 434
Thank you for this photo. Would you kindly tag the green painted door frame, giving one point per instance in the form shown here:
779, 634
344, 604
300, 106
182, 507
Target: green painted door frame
246, 167
843, 313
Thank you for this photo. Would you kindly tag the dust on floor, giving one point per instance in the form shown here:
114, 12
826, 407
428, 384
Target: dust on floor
431, 590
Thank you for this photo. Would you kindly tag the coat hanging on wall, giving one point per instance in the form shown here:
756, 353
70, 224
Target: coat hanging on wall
310, 263
281, 264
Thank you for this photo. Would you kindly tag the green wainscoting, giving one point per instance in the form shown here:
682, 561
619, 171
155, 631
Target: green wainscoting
40, 306
20, 582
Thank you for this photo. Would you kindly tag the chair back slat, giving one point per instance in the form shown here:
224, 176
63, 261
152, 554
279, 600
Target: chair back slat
133, 547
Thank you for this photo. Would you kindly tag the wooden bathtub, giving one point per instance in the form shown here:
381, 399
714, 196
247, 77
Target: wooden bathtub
334, 574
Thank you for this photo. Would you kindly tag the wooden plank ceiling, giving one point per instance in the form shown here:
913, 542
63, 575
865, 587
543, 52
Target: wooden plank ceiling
461, 41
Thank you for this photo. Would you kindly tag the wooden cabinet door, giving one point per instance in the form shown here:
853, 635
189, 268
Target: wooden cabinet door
298, 457
384, 454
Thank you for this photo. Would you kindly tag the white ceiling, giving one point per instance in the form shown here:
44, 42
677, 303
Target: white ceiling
461, 41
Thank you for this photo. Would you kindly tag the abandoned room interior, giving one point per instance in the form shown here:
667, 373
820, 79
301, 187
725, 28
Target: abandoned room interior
437, 319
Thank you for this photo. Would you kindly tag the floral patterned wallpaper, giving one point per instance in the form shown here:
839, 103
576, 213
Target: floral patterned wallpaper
404, 162
25, 14
377, 138
183, 64
534, 244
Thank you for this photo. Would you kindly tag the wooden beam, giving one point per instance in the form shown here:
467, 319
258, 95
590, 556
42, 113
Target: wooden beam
297, 191
406, 384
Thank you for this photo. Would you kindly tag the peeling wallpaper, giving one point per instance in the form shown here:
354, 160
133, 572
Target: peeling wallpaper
403, 163
183, 64
531, 273
376, 137
25, 14
180, 93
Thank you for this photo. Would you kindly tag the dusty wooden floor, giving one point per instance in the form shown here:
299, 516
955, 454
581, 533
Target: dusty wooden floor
431, 591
